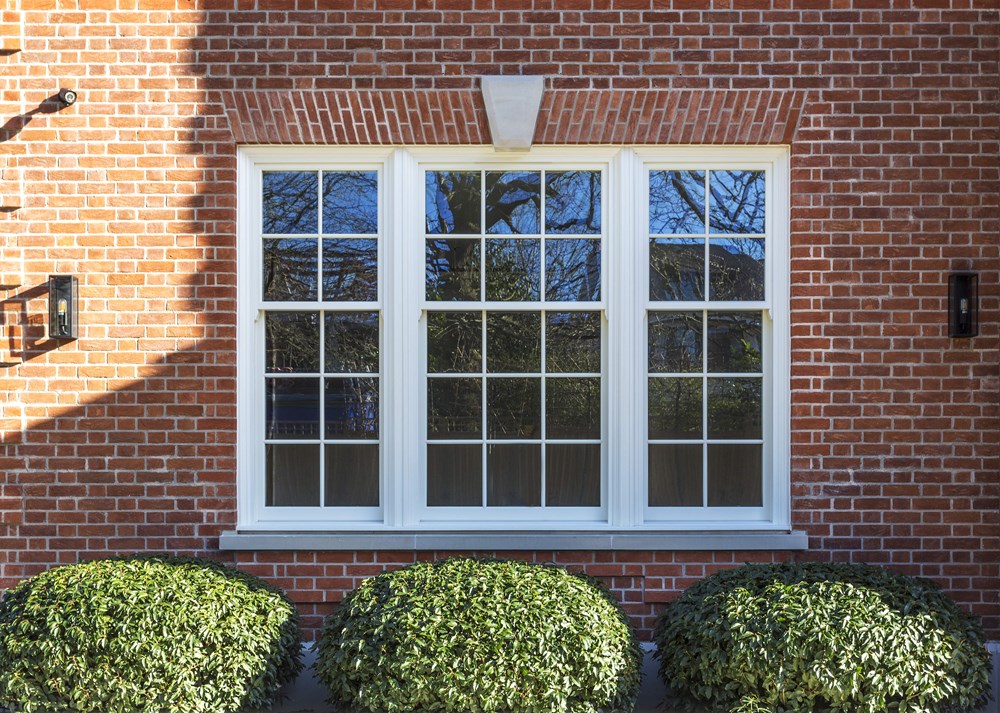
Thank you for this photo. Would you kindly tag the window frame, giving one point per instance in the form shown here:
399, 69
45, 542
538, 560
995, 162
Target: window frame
624, 305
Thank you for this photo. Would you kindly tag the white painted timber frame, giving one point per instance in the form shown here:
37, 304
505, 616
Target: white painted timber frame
624, 305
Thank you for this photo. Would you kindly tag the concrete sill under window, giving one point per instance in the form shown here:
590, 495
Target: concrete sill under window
520, 540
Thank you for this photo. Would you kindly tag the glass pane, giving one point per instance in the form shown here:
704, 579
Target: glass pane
675, 475
573, 408
453, 202
676, 269
514, 342
454, 475
291, 409
573, 270
291, 342
350, 202
676, 202
736, 269
735, 475
675, 341
573, 202
734, 408
737, 202
291, 202
573, 474
573, 342
513, 202
351, 475
290, 270
351, 342
292, 478
454, 408
514, 408
674, 408
513, 475
350, 270
352, 408
455, 342
513, 269
734, 341
452, 269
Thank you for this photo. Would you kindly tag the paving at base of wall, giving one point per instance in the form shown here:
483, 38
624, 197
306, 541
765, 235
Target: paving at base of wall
307, 695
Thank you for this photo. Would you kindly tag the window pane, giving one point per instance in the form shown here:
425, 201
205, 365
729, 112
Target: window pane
513, 475
573, 474
454, 408
351, 475
513, 201
350, 202
292, 475
674, 408
454, 475
453, 202
734, 408
676, 202
676, 269
573, 202
455, 342
675, 475
350, 270
514, 408
291, 342
572, 270
737, 202
290, 270
291, 202
513, 269
573, 342
292, 408
514, 342
573, 407
734, 475
352, 408
736, 269
675, 341
734, 341
351, 342
452, 269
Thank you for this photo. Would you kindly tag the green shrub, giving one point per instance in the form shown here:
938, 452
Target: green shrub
816, 636
145, 633
477, 635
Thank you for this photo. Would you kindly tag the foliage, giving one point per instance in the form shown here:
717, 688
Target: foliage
816, 637
478, 635
145, 633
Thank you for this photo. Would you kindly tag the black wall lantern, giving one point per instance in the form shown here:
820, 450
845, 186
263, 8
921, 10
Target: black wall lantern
64, 307
963, 304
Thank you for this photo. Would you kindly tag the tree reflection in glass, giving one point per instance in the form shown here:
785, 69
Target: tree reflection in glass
290, 202
452, 271
350, 202
290, 270
350, 270
573, 342
351, 342
513, 407
291, 408
513, 202
452, 202
573, 202
513, 269
514, 342
573, 407
736, 204
734, 408
674, 408
675, 341
351, 408
676, 202
734, 342
454, 408
454, 342
736, 269
291, 342
572, 270
677, 269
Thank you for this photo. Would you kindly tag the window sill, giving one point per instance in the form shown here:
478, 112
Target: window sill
510, 541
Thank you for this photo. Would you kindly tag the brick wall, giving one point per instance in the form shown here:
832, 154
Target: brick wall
124, 440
